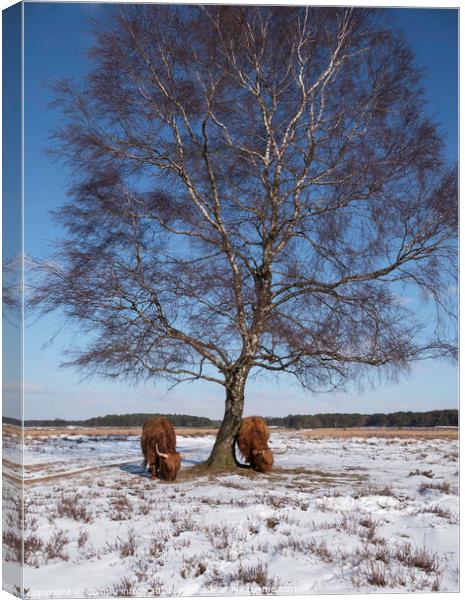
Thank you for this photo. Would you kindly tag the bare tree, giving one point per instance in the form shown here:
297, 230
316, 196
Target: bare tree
254, 188
12, 268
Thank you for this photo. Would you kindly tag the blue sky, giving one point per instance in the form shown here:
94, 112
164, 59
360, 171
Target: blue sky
56, 39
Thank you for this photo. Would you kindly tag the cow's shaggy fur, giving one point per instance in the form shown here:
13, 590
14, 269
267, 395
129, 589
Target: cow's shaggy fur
158, 443
252, 440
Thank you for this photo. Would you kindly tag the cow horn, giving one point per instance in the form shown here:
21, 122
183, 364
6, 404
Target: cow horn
160, 453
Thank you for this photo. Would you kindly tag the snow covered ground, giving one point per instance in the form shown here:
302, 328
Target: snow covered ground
335, 515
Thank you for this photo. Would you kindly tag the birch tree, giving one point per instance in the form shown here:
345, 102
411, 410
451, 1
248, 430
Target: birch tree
253, 189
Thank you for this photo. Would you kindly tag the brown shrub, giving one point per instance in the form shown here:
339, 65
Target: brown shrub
420, 558
257, 574
193, 566
443, 486
55, 546
82, 538
128, 547
121, 508
375, 574
72, 508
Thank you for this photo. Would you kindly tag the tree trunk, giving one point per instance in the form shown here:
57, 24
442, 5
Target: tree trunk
223, 454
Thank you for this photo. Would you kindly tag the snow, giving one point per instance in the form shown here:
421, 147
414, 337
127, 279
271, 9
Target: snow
335, 515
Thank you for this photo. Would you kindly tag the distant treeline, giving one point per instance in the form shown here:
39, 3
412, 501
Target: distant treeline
432, 418
130, 420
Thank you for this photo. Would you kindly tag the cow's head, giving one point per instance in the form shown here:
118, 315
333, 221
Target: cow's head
169, 464
262, 460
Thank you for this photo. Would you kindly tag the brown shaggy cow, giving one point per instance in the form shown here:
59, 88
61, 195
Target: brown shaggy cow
158, 443
252, 440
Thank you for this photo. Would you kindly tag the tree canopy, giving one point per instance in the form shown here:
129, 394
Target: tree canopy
254, 188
